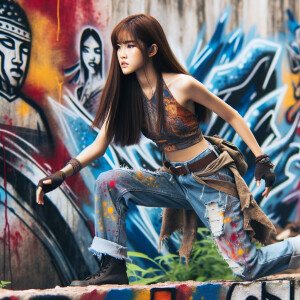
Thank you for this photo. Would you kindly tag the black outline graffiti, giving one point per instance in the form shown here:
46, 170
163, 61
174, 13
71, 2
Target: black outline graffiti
265, 295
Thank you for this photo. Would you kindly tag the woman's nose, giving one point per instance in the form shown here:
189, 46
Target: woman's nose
123, 52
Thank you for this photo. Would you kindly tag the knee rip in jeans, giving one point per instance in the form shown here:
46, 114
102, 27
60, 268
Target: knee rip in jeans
215, 216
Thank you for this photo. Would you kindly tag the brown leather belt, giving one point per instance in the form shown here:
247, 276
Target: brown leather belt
194, 166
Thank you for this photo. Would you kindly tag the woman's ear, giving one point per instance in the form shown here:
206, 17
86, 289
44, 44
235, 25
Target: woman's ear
152, 50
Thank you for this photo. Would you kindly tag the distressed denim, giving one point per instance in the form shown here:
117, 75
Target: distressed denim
220, 212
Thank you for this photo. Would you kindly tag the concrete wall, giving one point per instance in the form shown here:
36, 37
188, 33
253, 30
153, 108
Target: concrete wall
280, 289
47, 104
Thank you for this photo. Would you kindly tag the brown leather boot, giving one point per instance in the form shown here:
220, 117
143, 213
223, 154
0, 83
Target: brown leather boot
112, 271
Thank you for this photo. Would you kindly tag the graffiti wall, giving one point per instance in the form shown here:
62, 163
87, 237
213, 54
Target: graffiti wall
54, 60
283, 289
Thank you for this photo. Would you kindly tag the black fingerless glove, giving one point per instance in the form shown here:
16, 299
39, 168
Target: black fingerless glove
264, 169
57, 179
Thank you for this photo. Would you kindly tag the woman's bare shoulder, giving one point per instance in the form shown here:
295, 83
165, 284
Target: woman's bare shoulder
178, 81
179, 85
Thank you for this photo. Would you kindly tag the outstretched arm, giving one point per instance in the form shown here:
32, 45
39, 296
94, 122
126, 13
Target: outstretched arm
198, 93
85, 157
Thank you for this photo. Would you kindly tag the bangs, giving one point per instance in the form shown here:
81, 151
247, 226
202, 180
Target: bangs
124, 33
124, 37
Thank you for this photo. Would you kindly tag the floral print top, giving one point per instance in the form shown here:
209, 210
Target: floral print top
181, 129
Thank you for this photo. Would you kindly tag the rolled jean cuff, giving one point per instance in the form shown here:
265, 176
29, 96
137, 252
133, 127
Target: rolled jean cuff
295, 259
101, 246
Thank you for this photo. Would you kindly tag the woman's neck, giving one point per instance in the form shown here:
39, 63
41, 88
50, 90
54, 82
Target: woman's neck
147, 78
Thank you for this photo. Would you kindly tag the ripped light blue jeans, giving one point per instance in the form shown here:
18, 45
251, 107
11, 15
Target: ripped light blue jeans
220, 212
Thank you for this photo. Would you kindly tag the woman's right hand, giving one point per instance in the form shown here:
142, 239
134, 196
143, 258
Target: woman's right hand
48, 184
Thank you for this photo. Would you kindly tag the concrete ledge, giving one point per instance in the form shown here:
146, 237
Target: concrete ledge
283, 287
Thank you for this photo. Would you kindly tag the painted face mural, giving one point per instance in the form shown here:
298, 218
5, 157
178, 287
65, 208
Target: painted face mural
15, 42
14, 57
91, 55
88, 73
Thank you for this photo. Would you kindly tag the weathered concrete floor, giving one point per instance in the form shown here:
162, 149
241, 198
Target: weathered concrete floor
284, 287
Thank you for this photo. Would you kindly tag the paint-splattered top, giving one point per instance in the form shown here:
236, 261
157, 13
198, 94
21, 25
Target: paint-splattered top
181, 129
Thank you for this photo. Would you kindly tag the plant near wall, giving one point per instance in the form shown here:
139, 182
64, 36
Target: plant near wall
4, 283
205, 264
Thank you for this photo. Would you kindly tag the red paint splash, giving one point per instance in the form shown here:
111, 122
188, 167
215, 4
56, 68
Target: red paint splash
6, 230
93, 295
233, 237
15, 241
232, 224
223, 249
112, 183
183, 292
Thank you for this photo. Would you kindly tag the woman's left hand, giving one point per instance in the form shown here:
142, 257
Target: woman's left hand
264, 170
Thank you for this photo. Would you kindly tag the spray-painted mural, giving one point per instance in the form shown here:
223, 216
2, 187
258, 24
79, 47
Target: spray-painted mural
54, 59
283, 289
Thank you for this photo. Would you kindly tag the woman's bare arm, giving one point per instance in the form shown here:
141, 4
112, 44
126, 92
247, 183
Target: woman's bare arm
90, 153
197, 92
85, 157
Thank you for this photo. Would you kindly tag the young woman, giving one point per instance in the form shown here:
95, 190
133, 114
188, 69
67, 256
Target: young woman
148, 91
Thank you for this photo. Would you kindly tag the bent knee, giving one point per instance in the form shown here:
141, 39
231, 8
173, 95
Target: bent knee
117, 179
105, 176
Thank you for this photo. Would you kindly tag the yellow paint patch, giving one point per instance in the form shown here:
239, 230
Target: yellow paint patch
104, 203
141, 295
97, 211
110, 210
227, 220
113, 217
23, 109
46, 58
101, 227
139, 174
96, 198
151, 178
240, 252
221, 213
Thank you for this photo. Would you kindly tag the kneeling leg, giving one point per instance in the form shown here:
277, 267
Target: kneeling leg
234, 244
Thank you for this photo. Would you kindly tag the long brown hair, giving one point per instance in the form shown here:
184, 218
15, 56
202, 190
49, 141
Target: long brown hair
121, 99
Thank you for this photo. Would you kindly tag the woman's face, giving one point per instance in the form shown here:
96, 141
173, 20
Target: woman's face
91, 54
130, 57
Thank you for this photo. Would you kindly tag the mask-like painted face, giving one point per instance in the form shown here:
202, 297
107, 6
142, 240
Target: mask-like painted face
14, 58
91, 54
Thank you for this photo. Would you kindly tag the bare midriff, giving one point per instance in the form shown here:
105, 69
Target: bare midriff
187, 153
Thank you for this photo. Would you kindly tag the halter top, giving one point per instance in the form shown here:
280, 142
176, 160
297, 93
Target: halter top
181, 129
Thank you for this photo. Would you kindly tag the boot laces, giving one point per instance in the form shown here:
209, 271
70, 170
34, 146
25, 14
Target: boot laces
103, 267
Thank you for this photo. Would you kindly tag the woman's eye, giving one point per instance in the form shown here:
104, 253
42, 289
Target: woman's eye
98, 50
130, 45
